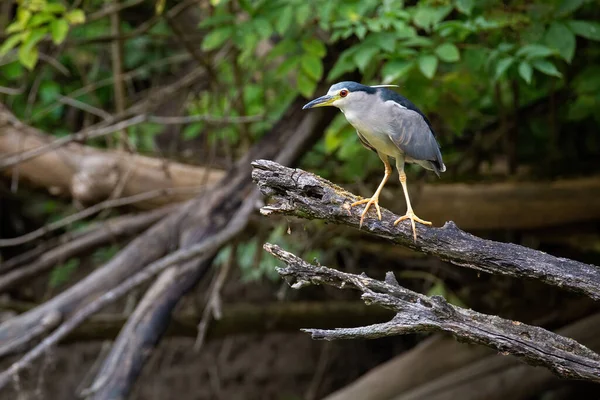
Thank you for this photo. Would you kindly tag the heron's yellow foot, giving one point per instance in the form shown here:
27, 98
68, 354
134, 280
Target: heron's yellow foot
413, 218
370, 202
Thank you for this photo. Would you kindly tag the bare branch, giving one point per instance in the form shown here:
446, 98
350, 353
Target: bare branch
73, 245
200, 249
105, 205
419, 313
302, 194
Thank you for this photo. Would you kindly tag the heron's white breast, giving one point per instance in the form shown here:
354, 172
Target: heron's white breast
376, 137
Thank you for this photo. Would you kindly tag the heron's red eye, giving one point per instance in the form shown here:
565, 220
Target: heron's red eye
343, 93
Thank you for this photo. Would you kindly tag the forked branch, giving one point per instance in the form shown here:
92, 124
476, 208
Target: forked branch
419, 313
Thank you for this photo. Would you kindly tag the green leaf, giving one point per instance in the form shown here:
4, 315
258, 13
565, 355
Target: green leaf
75, 17
284, 20
193, 130
568, 7
10, 43
262, 27
448, 52
502, 66
385, 41
61, 273
28, 52
39, 19
395, 69
342, 65
364, 55
312, 66
587, 29
465, 6
560, 37
547, 67
55, 8
305, 84
49, 91
302, 13
216, 38
361, 31
287, 65
426, 17
532, 51
59, 29
526, 71
428, 64
14, 27
314, 46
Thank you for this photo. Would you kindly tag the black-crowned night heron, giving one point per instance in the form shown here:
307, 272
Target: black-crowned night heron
391, 126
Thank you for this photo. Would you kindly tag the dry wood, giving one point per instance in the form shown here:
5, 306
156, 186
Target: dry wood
441, 368
419, 313
299, 193
90, 175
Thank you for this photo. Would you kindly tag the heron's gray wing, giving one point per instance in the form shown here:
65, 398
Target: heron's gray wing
412, 134
364, 142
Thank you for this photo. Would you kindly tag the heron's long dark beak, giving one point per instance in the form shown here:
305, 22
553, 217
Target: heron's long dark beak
320, 102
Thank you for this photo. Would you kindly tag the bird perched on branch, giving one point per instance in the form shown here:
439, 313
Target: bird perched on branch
390, 125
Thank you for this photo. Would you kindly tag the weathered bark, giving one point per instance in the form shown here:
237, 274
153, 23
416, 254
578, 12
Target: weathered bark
90, 175
441, 368
299, 193
419, 313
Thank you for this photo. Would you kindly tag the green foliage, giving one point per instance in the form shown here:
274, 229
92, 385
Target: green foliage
34, 21
253, 262
62, 273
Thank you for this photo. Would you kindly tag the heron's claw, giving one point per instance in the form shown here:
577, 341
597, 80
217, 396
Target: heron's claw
413, 218
370, 202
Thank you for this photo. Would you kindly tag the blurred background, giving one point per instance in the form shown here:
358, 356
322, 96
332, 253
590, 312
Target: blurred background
140, 105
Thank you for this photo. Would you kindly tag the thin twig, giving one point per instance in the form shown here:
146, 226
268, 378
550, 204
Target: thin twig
105, 205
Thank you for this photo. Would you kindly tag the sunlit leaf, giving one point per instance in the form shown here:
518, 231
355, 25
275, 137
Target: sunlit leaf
10, 43
427, 16
75, 17
58, 30
428, 64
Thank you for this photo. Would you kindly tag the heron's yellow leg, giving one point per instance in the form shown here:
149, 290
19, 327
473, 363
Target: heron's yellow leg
409, 212
374, 200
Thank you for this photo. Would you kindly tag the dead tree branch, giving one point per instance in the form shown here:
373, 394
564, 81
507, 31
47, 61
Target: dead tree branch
419, 313
299, 193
